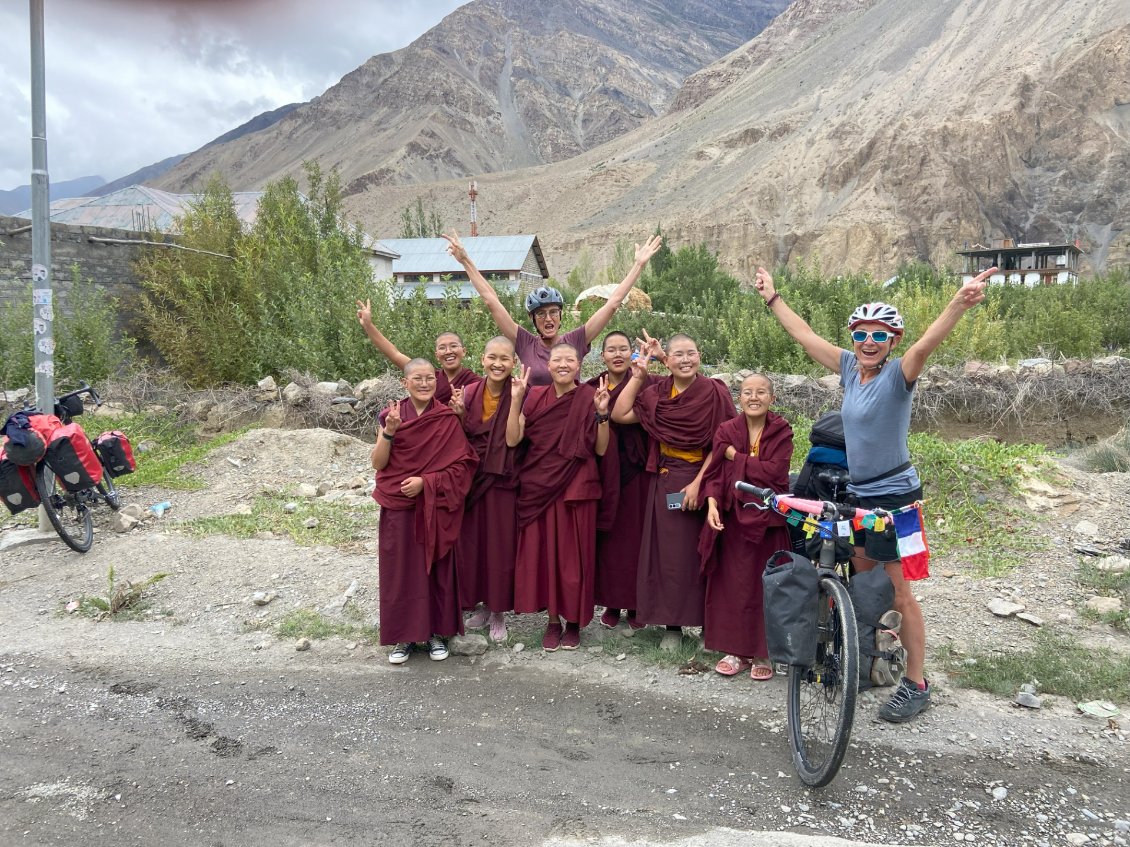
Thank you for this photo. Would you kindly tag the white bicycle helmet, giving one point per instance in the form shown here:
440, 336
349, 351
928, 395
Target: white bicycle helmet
543, 296
881, 313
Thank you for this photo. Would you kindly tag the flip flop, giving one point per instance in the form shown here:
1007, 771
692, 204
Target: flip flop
732, 665
761, 673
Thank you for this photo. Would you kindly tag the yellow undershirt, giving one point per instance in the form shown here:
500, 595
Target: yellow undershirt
695, 457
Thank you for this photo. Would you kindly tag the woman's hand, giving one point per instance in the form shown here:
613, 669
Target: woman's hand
713, 518
639, 364
365, 313
602, 398
412, 486
455, 247
456, 402
392, 420
518, 386
648, 249
691, 503
973, 292
653, 347
763, 282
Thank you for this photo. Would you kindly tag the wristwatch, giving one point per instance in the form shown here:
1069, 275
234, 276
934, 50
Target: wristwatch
600, 418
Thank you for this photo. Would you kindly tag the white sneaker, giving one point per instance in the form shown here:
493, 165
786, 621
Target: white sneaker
437, 648
399, 654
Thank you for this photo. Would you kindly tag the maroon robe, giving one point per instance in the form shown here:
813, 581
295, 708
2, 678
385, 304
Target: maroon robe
489, 542
734, 559
463, 379
670, 589
418, 587
559, 488
624, 491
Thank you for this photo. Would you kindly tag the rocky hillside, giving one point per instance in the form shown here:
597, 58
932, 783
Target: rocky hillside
859, 132
497, 85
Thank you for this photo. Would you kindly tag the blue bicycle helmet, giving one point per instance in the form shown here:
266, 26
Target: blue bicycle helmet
543, 296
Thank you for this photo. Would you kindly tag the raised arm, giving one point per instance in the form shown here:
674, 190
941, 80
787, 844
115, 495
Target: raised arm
595, 325
387, 348
968, 296
623, 412
505, 323
818, 349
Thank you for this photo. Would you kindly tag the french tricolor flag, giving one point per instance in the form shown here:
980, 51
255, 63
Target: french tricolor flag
913, 548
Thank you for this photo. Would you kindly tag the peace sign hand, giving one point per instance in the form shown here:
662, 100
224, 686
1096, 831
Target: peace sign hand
392, 420
456, 402
518, 386
365, 313
602, 399
763, 282
639, 364
455, 247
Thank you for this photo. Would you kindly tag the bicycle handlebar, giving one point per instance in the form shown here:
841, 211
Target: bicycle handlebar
801, 504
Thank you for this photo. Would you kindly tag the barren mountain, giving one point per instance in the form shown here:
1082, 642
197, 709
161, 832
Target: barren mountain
498, 84
858, 132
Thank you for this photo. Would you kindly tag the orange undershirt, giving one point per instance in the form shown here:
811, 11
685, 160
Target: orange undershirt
490, 403
695, 457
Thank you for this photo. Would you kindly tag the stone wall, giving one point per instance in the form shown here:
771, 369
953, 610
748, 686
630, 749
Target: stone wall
108, 265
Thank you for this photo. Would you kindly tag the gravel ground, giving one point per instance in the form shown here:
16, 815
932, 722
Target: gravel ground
194, 723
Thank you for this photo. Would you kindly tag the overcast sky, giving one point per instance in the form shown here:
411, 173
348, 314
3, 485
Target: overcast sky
131, 82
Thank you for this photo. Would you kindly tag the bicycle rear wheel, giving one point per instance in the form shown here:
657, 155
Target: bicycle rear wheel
821, 705
68, 512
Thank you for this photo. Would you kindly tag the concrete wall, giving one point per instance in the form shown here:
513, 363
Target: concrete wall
108, 265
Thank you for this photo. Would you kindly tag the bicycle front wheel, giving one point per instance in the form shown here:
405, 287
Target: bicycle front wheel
821, 706
68, 513
110, 492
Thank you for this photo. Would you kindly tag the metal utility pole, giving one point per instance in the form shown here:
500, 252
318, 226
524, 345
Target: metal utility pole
43, 321
474, 194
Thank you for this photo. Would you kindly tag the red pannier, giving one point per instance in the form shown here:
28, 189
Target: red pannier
71, 456
17, 485
116, 453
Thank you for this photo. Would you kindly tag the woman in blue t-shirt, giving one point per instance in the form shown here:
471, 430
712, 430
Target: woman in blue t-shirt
877, 397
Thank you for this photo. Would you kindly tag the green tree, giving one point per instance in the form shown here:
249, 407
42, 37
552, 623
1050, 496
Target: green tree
418, 222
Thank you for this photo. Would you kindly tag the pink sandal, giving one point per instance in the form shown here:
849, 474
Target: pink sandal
761, 673
732, 665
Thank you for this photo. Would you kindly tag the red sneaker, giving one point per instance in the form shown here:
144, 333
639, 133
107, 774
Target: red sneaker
610, 619
571, 640
552, 638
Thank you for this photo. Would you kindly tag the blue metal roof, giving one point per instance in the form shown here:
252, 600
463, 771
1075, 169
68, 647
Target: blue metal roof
490, 253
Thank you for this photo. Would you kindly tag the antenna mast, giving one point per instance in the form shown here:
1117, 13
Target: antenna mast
473, 194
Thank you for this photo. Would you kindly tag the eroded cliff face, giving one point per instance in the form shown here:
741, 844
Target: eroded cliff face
498, 85
859, 134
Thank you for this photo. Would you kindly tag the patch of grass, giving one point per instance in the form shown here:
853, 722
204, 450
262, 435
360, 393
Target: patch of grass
122, 596
644, 645
308, 623
337, 524
1110, 584
174, 444
1111, 455
1058, 664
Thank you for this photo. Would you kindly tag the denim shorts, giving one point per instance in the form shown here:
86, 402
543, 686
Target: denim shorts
881, 546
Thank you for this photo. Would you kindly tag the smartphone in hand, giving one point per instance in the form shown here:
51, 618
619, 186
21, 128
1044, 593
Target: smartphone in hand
675, 500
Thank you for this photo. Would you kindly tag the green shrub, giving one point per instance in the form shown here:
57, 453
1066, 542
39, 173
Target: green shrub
88, 344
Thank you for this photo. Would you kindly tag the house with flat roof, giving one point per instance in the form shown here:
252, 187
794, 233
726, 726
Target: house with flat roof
1030, 264
514, 263
142, 209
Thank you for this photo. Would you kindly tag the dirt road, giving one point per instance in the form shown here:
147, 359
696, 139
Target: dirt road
195, 724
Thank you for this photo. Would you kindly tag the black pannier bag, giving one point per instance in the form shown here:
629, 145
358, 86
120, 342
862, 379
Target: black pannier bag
791, 597
17, 485
882, 658
116, 453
